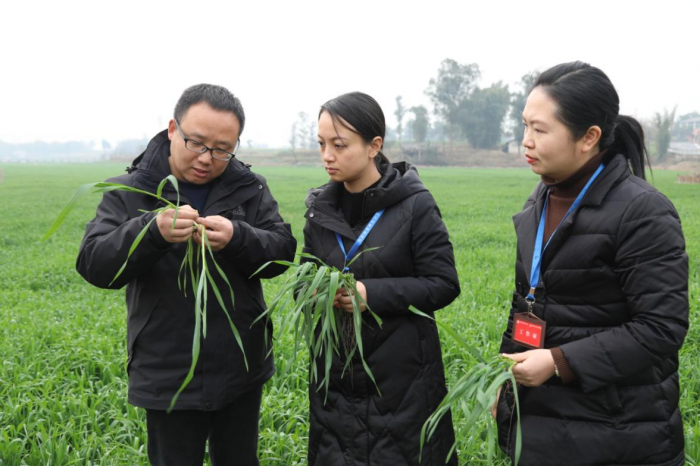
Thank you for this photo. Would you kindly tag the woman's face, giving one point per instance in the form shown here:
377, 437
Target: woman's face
551, 149
345, 155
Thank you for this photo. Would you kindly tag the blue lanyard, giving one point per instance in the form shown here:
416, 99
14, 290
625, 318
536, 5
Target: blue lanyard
359, 240
539, 250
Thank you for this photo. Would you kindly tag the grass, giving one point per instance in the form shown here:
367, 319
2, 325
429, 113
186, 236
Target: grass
63, 342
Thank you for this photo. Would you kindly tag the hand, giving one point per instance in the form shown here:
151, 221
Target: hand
494, 406
533, 367
182, 231
219, 231
342, 298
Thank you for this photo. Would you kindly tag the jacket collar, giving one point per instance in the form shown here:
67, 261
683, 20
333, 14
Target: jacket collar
152, 166
527, 221
399, 181
572, 185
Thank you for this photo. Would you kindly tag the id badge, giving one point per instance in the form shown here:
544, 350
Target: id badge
528, 330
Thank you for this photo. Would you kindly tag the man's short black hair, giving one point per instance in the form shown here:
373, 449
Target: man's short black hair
218, 98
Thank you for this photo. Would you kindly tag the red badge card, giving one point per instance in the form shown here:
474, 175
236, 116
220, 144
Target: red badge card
528, 330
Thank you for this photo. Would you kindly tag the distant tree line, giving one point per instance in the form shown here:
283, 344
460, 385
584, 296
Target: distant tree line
48, 151
40, 148
483, 117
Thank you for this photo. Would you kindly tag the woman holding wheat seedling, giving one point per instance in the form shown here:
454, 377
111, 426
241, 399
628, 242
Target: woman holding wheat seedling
373, 414
600, 308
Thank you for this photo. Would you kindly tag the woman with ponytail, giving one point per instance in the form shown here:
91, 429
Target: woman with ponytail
600, 307
371, 203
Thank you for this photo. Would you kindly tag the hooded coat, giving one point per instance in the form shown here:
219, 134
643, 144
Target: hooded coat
614, 295
161, 318
414, 266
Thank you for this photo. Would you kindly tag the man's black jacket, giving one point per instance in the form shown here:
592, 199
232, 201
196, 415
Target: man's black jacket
161, 319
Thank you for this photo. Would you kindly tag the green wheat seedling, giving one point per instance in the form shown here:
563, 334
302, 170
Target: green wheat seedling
310, 290
195, 264
474, 393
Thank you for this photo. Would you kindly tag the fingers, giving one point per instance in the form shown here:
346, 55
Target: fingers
186, 216
188, 211
519, 368
211, 223
517, 357
181, 224
185, 212
519, 372
336, 298
533, 367
219, 231
180, 230
215, 222
343, 300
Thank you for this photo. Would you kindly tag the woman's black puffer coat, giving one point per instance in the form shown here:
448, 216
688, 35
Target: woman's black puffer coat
614, 294
414, 266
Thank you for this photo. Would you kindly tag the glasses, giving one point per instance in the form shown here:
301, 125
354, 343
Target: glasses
199, 148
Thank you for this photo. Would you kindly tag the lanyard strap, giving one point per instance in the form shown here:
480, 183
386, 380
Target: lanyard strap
359, 240
539, 250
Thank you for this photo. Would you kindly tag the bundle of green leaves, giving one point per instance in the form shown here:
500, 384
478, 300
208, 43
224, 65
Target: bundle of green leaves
474, 393
311, 290
195, 263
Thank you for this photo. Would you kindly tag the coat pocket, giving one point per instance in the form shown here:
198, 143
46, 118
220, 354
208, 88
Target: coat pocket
137, 322
420, 333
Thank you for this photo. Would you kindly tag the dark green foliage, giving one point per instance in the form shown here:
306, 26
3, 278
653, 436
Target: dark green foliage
481, 116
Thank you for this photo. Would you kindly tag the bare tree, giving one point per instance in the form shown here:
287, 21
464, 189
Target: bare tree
399, 112
293, 141
663, 124
453, 86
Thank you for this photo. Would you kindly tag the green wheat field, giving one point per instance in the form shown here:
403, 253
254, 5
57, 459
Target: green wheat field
62, 342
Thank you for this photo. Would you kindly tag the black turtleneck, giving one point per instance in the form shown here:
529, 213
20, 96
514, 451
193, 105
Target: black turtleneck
352, 204
196, 193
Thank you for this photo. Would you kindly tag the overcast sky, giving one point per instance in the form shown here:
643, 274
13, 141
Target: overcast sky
90, 70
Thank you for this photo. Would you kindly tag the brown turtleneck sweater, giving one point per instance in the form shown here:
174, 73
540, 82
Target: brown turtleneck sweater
561, 196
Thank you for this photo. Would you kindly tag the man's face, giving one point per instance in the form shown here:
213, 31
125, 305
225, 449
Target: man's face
213, 128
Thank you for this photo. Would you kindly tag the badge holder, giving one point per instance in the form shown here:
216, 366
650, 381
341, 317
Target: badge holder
528, 329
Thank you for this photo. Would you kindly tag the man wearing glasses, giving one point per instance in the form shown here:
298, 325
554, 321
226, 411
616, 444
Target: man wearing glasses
222, 402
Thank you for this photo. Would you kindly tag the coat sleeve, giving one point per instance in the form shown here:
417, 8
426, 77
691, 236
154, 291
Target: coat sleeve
652, 267
434, 283
507, 345
308, 248
267, 239
108, 238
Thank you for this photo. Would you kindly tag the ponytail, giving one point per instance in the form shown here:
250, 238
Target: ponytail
629, 141
381, 161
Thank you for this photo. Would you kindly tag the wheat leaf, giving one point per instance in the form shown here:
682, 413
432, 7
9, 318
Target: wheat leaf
79, 193
136, 242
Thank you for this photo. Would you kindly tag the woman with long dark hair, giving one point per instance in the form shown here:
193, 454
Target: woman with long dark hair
368, 203
600, 308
